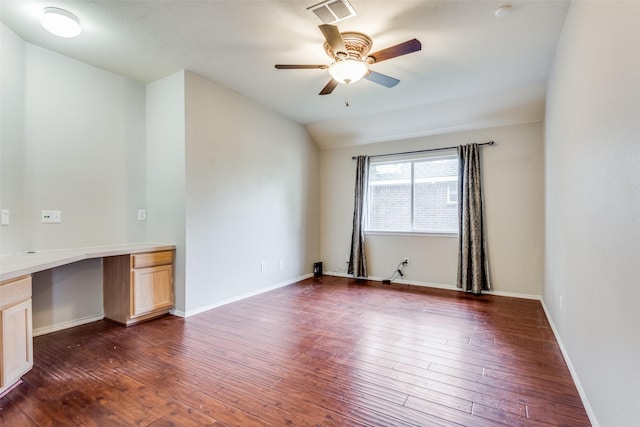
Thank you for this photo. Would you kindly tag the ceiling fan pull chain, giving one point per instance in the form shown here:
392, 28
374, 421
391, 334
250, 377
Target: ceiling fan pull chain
346, 95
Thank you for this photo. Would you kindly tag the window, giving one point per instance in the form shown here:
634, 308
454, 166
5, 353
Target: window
418, 195
452, 192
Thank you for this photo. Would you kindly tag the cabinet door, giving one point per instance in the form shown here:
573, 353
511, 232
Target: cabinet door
151, 289
17, 342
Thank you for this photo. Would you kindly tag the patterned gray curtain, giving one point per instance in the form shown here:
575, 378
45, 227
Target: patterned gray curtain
357, 258
473, 272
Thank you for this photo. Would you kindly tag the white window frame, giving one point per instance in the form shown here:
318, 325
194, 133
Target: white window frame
411, 181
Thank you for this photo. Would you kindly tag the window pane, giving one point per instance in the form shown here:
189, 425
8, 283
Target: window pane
435, 187
390, 196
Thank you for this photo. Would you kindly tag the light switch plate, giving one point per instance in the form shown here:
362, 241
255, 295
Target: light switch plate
5, 216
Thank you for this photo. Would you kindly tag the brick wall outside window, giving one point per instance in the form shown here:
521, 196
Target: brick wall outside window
390, 207
435, 194
432, 211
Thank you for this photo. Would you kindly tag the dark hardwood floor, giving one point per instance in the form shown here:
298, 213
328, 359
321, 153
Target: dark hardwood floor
329, 352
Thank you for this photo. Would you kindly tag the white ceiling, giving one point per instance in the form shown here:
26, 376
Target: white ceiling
474, 70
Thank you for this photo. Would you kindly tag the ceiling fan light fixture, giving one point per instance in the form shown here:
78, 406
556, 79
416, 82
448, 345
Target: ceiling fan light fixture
60, 22
348, 71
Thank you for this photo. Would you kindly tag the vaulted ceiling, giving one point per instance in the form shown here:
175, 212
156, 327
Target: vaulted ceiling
474, 69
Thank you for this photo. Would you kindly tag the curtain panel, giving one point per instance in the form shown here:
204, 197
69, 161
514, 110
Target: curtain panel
357, 257
473, 272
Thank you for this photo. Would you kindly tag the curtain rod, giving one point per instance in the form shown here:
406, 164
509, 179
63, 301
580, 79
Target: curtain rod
421, 151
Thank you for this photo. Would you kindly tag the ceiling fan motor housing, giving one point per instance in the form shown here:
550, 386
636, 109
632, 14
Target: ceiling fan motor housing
358, 46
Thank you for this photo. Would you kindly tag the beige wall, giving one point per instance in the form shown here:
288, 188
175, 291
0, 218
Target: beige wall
592, 275
165, 165
514, 201
67, 296
13, 237
85, 152
73, 140
233, 185
228, 181
253, 196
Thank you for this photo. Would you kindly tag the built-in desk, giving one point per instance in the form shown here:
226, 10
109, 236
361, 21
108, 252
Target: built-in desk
12, 266
137, 285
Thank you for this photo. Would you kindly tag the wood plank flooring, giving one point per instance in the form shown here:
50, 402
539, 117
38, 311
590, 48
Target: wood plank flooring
330, 352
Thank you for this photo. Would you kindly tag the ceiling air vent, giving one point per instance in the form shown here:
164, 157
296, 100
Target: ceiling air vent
332, 11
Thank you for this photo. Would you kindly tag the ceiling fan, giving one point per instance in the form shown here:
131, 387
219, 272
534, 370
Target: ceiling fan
351, 58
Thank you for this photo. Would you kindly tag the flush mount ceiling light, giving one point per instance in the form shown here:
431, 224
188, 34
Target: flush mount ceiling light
348, 70
503, 11
60, 22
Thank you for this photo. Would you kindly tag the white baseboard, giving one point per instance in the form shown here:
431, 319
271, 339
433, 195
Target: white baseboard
240, 297
574, 375
438, 286
515, 295
65, 325
398, 281
178, 313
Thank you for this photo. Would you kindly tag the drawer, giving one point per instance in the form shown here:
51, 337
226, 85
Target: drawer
150, 259
15, 291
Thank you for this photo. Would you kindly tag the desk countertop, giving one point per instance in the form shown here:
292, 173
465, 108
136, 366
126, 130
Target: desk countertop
12, 266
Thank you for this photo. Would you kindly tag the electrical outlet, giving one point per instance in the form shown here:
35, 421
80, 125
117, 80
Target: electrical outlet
51, 217
281, 264
5, 216
263, 266
142, 214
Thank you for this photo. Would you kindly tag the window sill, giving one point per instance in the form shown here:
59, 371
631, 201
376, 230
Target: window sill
411, 233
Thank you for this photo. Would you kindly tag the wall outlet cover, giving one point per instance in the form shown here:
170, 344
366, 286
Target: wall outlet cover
51, 217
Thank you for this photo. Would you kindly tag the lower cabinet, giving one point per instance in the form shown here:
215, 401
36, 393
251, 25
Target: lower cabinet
138, 287
16, 336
